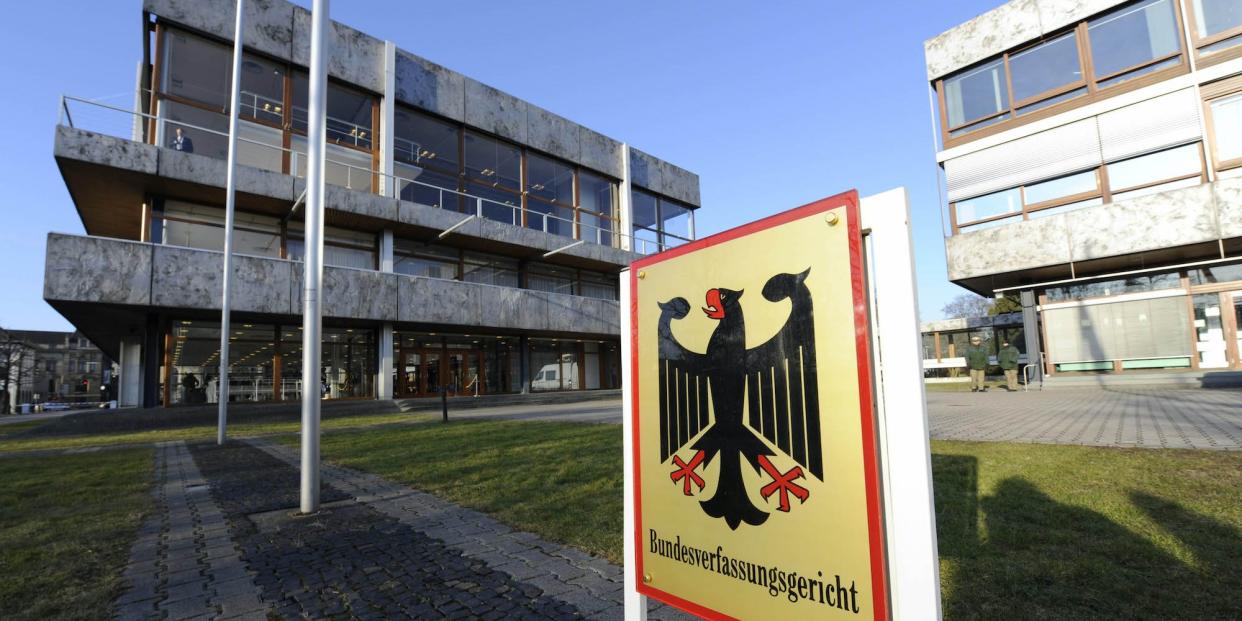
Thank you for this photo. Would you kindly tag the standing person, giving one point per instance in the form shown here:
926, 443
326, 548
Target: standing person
182, 142
977, 362
1007, 358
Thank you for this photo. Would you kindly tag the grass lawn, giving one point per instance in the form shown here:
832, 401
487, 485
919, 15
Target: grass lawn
66, 526
1025, 531
561, 481
35, 441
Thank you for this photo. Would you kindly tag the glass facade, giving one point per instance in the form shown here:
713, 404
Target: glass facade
659, 223
265, 363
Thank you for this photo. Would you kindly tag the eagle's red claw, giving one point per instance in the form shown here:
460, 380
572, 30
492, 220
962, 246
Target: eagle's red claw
784, 483
685, 472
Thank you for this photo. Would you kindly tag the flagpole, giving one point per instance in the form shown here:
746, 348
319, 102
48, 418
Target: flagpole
312, 319
229, 204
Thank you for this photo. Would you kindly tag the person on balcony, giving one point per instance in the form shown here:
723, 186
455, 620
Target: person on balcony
182, 142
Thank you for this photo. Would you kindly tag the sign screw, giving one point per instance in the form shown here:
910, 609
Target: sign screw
642, 275
832, 219
647, 578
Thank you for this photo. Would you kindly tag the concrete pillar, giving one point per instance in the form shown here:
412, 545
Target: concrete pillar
626, 222
151, 362
388, 112
130, 386
1030, 329
524, 363
383, 384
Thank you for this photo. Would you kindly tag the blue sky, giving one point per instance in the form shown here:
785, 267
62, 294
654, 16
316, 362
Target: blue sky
773, 104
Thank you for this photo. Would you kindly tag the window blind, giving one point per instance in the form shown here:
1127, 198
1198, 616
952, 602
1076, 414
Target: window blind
1165, 121
1048, 154
1157, 328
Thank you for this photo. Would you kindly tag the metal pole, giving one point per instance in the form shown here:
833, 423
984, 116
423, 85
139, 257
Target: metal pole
312, 319
229, 200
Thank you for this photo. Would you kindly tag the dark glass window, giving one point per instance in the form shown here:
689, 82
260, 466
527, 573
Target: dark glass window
497, 205
420, 191
418, 259
1045, 67
549, 180
1216, 274
262, 90
644, 208
426, 142
1132, 37
349, 112
197, 69
595, 197
489, 269
495, 163
542, 277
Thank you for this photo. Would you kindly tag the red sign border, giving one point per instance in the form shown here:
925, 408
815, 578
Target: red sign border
862, 338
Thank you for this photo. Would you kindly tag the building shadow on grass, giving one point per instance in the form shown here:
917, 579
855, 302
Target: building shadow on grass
1019, 554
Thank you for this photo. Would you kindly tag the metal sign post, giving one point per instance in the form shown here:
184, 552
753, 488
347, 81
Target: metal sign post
230, 199
312, 307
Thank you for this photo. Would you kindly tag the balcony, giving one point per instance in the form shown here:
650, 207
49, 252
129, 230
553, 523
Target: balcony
260, 177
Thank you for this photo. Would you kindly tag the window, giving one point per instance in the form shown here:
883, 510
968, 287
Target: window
198, 226
197, 69
1084, 183
977, 95
341, 248
1008, 202
1226, 114
1217, 23
349, 113
1134, 40
262, 90
549, 191
417, 259
1118, 286
1216, 274
489, 269
1045, 68
659, 223
492, 162
1156, 167
600, 286
542, 277
595, 218
426, 142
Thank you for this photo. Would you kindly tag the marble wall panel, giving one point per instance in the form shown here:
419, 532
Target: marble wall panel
1149, 222
96, 269
86, 146
1022, 245
429, 86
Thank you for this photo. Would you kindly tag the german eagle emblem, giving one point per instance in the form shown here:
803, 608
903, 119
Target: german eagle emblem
775, 384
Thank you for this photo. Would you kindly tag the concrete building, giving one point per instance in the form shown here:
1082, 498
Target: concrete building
1092, 155
473, 239
63, 367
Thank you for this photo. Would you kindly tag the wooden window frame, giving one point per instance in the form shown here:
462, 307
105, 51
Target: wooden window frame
1204, 41
1095, 91
1233, 90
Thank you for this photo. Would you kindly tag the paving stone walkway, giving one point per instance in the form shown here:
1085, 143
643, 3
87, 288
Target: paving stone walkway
591, 585
225, 543
1127, 417
184, 564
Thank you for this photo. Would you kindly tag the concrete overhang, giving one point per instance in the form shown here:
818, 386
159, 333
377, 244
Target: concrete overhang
109, 179
1168, 228
107, 288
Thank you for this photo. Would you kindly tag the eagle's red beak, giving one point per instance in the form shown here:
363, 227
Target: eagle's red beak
714, 308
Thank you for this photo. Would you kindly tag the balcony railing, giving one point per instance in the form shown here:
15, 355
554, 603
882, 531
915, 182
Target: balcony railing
129, 124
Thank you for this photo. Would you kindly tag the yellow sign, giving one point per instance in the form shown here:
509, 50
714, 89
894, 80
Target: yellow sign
757, 494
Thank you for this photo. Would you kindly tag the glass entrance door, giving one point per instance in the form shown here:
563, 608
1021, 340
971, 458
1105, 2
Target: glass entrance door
1210, 339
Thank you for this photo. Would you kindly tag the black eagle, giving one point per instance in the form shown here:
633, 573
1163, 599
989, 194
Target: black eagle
703, 396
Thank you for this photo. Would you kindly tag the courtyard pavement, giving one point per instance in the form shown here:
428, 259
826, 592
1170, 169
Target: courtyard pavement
1157, 417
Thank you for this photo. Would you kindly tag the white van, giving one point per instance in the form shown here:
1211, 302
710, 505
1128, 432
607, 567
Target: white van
549, 377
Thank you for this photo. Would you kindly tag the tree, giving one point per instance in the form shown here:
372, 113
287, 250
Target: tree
1007, 304
973, 306
967, 305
